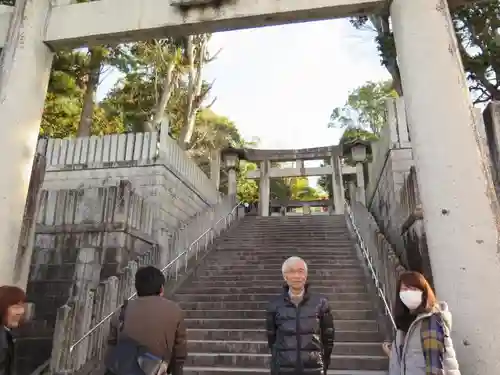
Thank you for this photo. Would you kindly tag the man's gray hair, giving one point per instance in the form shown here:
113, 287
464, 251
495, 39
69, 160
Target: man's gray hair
287, 263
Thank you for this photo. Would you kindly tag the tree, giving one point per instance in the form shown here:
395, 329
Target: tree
476, 26
65, 95
364, 108
196, 56
247, 190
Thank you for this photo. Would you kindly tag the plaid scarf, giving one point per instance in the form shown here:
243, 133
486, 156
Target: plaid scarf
432, 334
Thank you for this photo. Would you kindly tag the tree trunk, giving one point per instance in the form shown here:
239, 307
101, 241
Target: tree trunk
381, 24
194, 89
159, 111
94, 72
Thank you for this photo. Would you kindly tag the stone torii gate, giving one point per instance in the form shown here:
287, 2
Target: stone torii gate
264, 158
461, 211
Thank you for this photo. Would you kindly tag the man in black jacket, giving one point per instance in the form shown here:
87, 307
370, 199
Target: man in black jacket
299, 324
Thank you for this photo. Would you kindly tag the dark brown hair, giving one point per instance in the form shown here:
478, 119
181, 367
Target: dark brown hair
9, 296
402, 316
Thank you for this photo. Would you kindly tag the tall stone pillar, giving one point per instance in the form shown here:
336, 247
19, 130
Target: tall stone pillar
231, 181
351, 187
25, 69
215, 167
337, 185
231, 162
264, 188
460, 207
360, 182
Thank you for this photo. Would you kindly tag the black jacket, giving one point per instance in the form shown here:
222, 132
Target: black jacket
6, 352
300, 337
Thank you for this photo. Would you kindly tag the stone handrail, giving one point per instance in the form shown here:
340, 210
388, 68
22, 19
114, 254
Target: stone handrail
82, 324
381, 259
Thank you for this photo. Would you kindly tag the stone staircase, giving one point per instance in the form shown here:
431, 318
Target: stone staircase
226, 297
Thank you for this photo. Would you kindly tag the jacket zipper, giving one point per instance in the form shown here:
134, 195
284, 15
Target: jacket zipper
299, 341
297, 330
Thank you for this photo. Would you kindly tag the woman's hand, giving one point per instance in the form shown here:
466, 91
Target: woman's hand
387, 348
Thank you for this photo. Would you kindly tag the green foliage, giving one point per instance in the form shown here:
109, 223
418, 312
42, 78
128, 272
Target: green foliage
149, 69
67, 85
476, 26
293, 188
247, 190
357, 134
365, 107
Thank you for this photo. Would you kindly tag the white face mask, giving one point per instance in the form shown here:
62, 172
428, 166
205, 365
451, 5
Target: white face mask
411, 298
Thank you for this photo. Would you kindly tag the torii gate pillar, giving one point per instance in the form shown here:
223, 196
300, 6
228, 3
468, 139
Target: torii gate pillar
24, 77
458, 199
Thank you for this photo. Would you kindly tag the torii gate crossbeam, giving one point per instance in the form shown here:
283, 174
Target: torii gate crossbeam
113, 21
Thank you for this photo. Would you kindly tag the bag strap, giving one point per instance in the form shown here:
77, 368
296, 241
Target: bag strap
121, 317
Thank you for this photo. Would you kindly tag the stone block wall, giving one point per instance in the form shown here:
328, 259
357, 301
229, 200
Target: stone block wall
392, 160
82, 237
102, 204
392, 191
154, 164
96, 300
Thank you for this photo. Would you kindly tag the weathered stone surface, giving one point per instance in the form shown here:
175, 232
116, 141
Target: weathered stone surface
94, 295
227, 295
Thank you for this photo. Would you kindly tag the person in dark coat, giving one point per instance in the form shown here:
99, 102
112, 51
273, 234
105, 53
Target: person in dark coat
299, 324
12, 308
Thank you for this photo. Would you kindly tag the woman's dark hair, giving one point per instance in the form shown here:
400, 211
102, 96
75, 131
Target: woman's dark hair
10, 296
149, 281
402, 316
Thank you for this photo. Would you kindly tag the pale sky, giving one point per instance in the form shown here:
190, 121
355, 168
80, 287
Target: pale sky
281, 83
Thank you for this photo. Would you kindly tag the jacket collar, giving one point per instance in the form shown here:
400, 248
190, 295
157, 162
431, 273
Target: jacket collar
286, 291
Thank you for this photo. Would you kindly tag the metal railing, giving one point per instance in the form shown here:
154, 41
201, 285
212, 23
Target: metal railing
67, 359
208, 235
374, 272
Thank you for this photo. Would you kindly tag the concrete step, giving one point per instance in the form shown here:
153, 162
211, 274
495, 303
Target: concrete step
262, 305
193, 370
277, 278
252, 360
268, 289
261, 314
279, 248
356, 296
238, 258
237, 324
312, 262
313, 226
260, 335
272, 283
227, 346
293, 232
277, 253
284, 239
353, 271
266, 267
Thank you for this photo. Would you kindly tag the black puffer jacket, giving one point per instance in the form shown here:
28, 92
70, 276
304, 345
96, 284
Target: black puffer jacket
300, 337
6, 352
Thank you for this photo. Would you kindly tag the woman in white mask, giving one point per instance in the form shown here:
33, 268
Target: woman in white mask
423, 345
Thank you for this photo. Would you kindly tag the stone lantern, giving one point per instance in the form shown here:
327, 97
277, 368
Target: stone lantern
231, 161
358, 151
